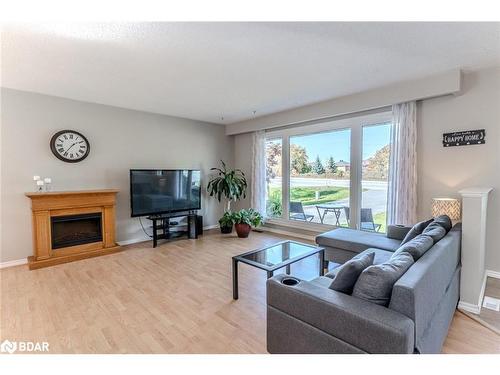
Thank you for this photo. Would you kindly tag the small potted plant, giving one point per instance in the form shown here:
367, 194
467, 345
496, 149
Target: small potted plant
226, 223
244, 220
230, 184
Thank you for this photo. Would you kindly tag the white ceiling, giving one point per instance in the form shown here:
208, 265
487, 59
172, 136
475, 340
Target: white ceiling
205, 71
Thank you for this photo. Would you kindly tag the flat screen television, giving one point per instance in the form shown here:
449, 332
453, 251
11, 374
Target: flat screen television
163, 191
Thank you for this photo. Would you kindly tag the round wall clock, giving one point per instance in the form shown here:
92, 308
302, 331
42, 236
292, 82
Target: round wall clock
69, 146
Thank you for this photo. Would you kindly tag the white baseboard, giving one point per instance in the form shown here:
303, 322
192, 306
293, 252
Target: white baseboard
13, 263
287, 233
133, 240
144, 239
208, 227
495, 274
476, 309
20, 262
469, 307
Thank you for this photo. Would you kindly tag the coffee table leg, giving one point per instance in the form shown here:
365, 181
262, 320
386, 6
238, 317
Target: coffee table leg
270, 274
288, 270
322, 263
235, 279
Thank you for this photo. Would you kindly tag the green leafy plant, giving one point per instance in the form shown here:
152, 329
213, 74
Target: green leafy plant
250, 217
227, 219
274, 207
230, 184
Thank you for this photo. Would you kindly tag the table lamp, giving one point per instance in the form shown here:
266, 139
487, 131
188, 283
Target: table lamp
446, 206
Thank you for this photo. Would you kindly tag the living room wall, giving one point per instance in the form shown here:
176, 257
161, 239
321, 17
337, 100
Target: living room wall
444, 171
120, 139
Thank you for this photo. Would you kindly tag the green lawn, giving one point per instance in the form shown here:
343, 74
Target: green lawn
307, 195
381, 218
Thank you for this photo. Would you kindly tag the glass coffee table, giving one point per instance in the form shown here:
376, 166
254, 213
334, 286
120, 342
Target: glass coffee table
276, 256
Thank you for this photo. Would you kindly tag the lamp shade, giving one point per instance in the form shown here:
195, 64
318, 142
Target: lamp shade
446, 206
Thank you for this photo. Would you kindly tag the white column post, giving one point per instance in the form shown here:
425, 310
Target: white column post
474, 210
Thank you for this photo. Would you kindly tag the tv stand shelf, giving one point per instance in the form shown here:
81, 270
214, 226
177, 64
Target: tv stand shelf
162, 228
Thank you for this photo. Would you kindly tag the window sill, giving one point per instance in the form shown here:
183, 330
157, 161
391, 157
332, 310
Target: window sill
308, 226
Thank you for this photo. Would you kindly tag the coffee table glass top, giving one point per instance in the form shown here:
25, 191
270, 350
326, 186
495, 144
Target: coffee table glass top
278, 255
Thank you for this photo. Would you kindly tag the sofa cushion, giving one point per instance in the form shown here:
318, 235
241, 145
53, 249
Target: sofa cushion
375, 282
417, 246
444, 221
435, 230
348, 273
356, 240
416, 230
381, 256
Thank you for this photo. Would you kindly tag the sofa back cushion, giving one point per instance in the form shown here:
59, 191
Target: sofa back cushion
417, 246
435, 231
416, 230
444, 221
348, 273
375, 282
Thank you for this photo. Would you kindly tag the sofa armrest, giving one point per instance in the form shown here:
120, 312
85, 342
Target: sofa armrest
397, 232
365, 325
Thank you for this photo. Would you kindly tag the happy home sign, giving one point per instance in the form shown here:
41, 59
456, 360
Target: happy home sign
465, 138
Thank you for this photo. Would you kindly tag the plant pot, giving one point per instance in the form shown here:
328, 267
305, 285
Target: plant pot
242, 230
226, 230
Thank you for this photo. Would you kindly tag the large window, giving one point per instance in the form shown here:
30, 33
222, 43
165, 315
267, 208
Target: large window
330, 174
319, 177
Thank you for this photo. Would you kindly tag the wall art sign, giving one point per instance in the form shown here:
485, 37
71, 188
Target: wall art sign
465, 138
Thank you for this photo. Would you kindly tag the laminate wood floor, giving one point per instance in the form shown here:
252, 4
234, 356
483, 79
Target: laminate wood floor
176, 298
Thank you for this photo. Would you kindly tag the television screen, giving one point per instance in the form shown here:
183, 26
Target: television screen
164, 191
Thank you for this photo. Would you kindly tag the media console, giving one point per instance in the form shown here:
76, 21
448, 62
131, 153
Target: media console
162, 226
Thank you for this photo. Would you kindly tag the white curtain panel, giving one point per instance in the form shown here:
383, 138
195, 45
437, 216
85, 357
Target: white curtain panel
258, 182
402, 194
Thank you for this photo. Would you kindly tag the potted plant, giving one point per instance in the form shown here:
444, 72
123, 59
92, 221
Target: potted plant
230, 184
244, 220
226, 223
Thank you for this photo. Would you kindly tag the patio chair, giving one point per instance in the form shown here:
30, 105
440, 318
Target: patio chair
367, 222
297, 212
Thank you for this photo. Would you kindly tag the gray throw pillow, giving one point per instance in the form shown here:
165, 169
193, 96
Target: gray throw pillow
435, 230
375, 282
416, 230
444, 221
348, 273
417, 247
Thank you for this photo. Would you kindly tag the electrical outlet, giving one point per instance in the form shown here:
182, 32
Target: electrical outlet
491, 303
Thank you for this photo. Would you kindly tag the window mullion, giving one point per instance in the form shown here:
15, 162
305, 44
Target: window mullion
355, 176
285, 180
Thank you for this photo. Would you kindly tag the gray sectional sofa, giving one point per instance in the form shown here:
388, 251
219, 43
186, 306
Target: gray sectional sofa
309, 317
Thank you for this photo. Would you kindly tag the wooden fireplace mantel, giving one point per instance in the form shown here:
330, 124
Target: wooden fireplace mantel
46, 205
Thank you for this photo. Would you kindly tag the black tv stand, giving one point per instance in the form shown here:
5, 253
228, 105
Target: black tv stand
162, 226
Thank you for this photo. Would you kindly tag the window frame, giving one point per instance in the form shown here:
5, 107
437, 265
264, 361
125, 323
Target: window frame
355, 124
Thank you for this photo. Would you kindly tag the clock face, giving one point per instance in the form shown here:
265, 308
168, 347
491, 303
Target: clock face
69, 146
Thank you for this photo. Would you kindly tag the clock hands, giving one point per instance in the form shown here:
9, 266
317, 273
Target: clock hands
73, 145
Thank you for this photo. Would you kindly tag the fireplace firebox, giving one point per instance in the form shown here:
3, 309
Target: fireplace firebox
72, 230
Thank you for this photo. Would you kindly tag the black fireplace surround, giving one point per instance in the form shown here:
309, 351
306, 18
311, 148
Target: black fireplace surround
72, 230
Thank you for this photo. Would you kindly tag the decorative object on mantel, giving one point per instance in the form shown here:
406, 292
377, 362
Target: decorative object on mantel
446, 206
35, 180
69, 146
72, 225
464, 138
48, 183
